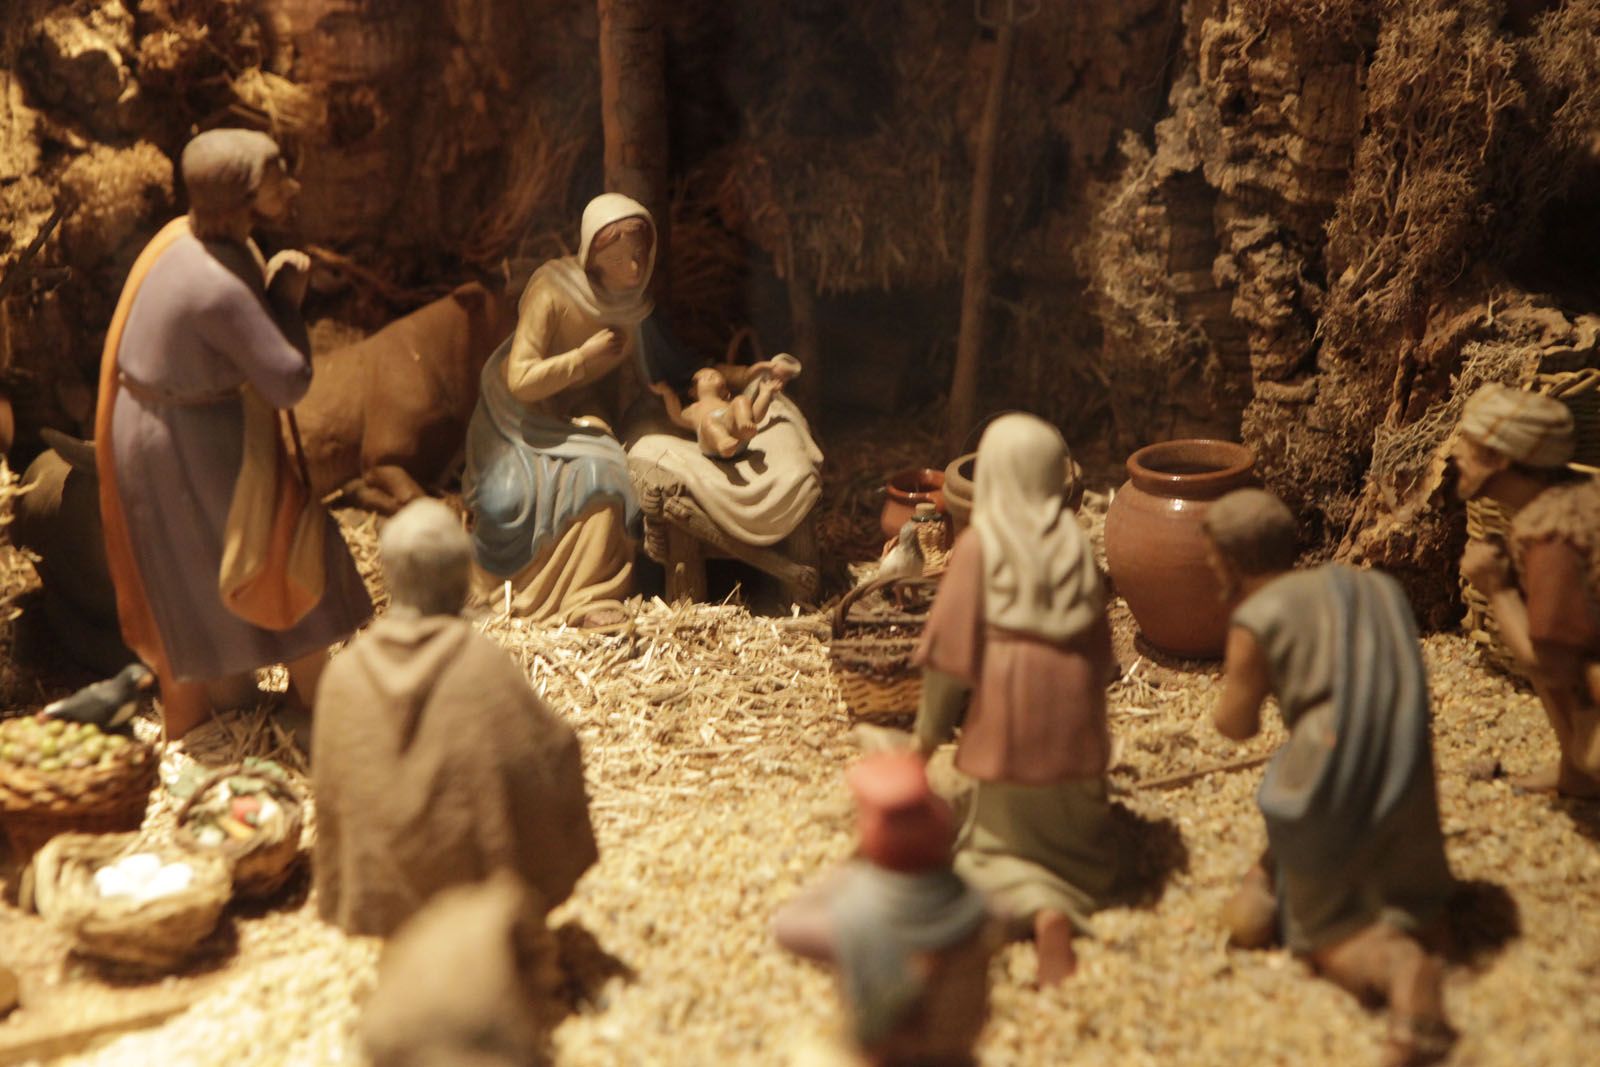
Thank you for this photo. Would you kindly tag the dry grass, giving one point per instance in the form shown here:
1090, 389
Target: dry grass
714, 744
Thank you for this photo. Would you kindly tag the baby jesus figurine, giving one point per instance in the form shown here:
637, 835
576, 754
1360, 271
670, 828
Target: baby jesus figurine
724, 423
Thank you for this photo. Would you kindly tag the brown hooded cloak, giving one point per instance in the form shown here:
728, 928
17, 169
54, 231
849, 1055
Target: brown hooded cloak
434, 764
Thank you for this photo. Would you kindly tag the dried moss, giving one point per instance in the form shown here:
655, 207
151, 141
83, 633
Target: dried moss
1442, 100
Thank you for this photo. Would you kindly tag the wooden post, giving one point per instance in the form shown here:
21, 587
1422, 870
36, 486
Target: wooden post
633, 110
803, 340
963, 406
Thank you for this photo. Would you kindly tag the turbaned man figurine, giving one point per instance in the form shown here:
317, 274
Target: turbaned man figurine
1543, 585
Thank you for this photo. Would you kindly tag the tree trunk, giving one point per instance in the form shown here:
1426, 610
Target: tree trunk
975, 283
633, 107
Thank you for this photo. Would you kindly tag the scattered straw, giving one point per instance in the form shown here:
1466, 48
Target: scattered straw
714, 745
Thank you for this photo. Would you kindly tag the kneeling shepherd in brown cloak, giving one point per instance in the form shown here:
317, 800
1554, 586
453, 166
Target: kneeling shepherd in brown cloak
434, 762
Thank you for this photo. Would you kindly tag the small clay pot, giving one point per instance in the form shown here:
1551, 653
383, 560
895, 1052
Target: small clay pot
1156, 549
958, 488
905, 490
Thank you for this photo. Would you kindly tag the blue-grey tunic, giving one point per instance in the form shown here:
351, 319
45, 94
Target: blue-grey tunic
1352, 817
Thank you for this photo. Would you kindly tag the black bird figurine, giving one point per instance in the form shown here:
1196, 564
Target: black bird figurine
108, 704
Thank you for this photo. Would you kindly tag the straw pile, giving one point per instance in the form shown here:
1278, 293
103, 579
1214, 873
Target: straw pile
714, 744
847, 210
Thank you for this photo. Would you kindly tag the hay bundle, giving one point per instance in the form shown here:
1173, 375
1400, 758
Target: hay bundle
866, 189
880, 213
706, 274
527, 215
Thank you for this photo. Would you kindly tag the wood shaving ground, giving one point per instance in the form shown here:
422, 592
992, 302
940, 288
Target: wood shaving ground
715, 743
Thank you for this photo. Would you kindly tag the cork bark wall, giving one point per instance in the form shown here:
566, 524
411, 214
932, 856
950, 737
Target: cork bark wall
434, 142
1319, 248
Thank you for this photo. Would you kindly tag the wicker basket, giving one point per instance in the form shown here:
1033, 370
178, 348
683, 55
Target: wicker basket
156, 934
260, 864
36, 805
1487, 520
871, 657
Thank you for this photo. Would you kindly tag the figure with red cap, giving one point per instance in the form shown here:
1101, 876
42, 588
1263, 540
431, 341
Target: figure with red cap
909, 938
1016, 653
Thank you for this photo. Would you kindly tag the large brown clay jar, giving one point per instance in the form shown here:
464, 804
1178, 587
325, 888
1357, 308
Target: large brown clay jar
1156, 549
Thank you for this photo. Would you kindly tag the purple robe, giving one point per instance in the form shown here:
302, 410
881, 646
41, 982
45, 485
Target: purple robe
198, 328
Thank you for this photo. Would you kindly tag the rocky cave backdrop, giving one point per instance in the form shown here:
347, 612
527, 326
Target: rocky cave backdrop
1311, 225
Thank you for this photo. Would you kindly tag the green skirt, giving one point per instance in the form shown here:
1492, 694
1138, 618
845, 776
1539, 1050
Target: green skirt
1040, 848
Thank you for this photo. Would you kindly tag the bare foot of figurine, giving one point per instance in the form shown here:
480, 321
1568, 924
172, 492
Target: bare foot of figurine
1251, 914
1052, 937
1418, 1030
1559, 778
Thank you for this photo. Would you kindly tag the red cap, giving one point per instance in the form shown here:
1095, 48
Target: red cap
904, 826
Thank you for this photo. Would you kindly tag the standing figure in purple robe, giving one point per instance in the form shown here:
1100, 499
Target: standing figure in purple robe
202, 319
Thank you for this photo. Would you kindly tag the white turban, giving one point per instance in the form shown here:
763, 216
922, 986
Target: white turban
1528, 428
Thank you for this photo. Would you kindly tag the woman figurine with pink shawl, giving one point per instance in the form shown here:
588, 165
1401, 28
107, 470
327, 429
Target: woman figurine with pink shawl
1017, 654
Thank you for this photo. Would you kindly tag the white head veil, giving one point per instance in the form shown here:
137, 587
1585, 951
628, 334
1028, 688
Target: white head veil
624, 309
1039, 575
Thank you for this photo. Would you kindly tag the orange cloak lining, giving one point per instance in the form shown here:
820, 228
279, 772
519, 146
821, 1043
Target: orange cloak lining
139, 630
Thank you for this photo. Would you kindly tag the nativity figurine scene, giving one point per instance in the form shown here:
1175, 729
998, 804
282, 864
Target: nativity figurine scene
799, 534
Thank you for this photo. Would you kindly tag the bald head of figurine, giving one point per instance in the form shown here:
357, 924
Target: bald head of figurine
427, 559
710, 384
1250, 538
234, 177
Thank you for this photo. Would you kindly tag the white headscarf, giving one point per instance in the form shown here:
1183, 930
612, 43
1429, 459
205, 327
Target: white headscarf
625, 309
1528, 428
1039, 575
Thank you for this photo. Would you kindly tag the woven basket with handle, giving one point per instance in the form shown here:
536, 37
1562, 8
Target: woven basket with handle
1488, 521
871, 655
36, 805
261, 863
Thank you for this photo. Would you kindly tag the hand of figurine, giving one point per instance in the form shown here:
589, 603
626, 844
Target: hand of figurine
1485, 565
288, 273
604, 347
768, 386
662, 389
780, 368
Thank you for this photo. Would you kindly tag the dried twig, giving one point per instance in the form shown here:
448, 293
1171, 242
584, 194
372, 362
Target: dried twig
1167, 781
